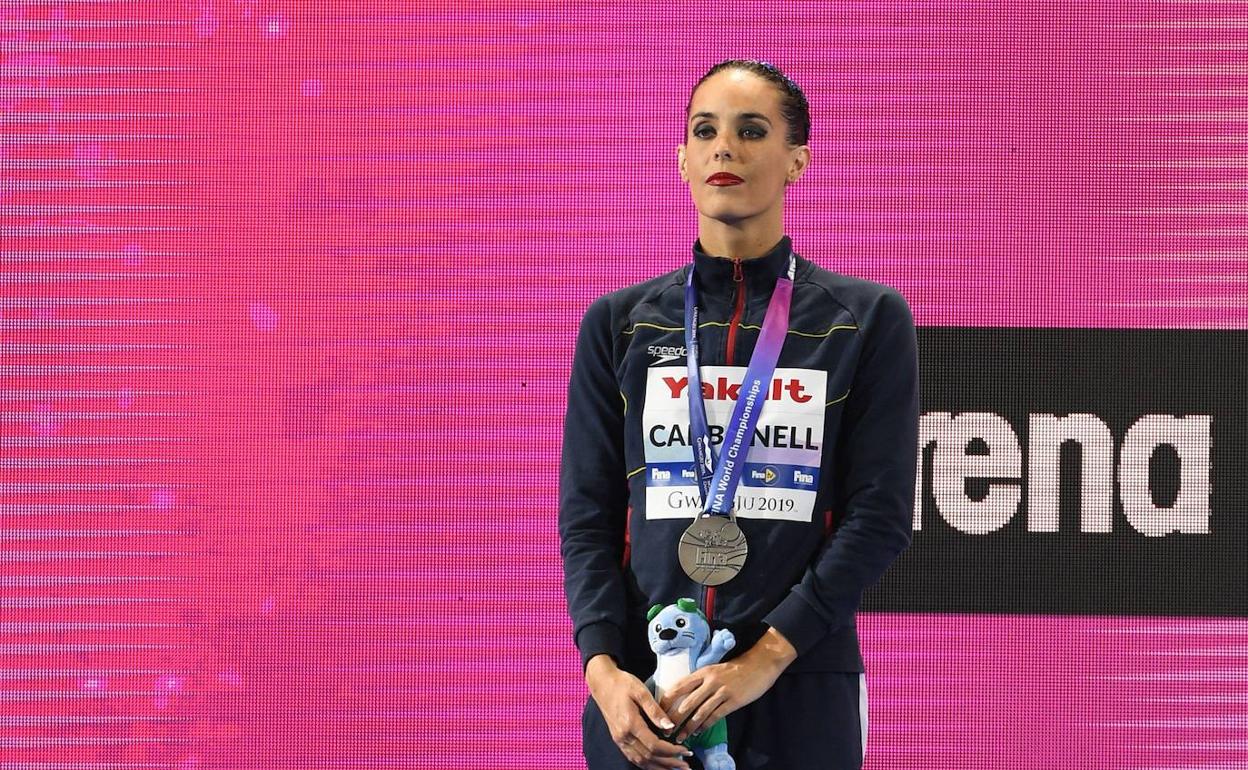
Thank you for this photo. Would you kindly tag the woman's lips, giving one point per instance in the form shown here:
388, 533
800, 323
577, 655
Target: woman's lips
723, 179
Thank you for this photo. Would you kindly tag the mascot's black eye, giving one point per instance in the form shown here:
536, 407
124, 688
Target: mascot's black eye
680, 622
658, 627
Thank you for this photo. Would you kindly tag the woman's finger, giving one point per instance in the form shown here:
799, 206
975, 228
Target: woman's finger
702, 716
691, 702
656, 752
684, 685
655, 747
650, 707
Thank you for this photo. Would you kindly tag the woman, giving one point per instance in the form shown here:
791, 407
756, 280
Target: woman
818, 481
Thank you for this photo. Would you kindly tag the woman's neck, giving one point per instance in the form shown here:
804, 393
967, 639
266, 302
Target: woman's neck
748, 239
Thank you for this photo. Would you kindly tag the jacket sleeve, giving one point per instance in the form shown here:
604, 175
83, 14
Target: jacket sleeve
593, 492
874, 466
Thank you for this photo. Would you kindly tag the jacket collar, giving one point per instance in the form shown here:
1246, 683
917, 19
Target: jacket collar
714, 275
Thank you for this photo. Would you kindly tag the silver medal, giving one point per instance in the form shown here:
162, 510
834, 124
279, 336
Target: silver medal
712, 550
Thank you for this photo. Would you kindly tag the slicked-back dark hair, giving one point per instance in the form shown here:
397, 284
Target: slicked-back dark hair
793, 105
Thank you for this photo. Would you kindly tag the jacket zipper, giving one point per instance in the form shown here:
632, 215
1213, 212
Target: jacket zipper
738, 278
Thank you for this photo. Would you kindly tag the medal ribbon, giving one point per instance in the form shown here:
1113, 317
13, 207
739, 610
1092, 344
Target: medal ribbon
718, 476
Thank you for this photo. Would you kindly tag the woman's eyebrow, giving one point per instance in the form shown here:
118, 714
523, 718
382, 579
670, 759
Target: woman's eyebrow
742, 116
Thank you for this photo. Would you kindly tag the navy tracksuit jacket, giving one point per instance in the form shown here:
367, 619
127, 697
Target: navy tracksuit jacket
826, 500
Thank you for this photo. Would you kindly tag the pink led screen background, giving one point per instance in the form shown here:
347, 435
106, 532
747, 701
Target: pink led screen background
289, 298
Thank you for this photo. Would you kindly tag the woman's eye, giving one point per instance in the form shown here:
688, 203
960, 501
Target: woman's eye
753, 132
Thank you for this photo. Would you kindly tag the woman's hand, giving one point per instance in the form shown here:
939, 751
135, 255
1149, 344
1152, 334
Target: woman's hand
716, 691
622, 698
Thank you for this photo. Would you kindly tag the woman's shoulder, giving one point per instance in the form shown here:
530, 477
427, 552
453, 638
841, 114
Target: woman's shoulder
856, 293
661, 290
660, 296
649, 287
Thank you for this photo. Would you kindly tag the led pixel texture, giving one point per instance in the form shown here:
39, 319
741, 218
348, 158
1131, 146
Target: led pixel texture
289, 297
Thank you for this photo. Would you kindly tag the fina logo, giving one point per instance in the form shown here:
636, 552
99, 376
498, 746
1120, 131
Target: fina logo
768, 475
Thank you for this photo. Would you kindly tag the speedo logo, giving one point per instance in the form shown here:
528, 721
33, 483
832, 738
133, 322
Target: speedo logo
665, 353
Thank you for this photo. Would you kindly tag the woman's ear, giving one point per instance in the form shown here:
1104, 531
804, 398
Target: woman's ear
797, 167
680, 162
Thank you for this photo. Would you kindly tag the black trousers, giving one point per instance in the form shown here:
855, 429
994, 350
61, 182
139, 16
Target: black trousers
814, 720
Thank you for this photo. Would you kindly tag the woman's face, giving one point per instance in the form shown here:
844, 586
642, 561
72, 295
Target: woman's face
735, 127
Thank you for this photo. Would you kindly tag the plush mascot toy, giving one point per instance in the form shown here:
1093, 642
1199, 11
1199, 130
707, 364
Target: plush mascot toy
681, 638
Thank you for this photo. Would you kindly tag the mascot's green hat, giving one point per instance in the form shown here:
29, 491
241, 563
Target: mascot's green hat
685, 605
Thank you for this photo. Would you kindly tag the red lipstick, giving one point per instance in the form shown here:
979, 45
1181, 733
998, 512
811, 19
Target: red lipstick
723, 179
